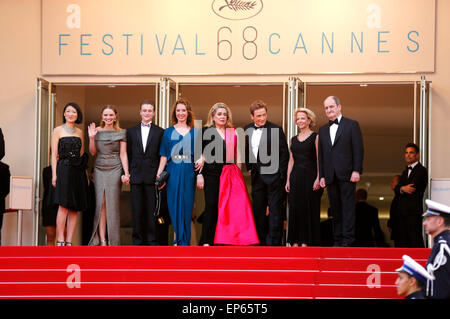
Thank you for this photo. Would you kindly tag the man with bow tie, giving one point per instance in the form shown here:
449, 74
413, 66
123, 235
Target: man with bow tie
143, 142
266, 158
341, 153
410, 191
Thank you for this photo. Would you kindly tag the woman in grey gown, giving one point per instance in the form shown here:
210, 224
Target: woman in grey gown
108, 142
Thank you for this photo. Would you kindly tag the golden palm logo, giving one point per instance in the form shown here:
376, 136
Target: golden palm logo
237, 9
238, 5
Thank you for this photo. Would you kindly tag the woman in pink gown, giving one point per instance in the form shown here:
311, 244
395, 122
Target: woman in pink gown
227, 205
235, 224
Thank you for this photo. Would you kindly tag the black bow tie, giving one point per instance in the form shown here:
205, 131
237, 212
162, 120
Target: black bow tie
336, 121
258, 127
410, 168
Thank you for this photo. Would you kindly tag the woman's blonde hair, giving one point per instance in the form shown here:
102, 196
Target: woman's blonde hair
212, 112
310, 114
116, 122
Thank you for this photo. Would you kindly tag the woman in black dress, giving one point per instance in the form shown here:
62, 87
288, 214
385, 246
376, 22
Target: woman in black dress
303, 183
69, 178
219, 118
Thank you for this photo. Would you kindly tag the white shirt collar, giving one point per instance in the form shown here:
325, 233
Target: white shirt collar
414, 164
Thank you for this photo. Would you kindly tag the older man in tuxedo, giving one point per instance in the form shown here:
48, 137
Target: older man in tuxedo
341, 153
143, 142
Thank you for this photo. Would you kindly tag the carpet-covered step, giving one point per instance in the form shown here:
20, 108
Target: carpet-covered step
155, 290
154, 275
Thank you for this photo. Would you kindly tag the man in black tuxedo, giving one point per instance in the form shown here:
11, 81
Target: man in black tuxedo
143, 142
4, 180
4, 191
2, 145
266, 158
410, 191
341, 154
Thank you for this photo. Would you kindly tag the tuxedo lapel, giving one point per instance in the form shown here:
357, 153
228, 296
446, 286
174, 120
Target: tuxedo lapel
264, 142
413, 172
251, 156
328, 137
339, 130
148, 138
139, 137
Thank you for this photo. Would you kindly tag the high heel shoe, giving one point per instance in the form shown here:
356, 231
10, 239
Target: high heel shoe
103, 242
68, 243
60, 243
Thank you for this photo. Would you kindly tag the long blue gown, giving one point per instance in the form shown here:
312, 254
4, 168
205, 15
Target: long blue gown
181, 182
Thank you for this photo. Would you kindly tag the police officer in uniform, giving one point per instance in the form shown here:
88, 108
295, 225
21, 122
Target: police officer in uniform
411, 279
437, 225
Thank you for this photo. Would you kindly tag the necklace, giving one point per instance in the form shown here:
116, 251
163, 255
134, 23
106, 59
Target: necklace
68, 129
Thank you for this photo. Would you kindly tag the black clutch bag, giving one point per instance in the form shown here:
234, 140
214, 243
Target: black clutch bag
158, 182
162, 178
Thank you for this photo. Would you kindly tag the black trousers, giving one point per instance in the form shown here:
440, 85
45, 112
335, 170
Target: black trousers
269, 228
341, 195
211, 213
143, 206
409, 233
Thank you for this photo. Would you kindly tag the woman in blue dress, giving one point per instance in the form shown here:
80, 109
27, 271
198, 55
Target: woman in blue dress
177, 153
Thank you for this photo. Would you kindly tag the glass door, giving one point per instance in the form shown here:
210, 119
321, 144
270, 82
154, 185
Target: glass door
296, 99
46, 99
422, 133
168, 93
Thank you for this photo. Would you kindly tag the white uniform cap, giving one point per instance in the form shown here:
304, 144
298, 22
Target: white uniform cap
413, 268
436, 209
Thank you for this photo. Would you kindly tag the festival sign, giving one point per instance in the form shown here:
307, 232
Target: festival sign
196, 37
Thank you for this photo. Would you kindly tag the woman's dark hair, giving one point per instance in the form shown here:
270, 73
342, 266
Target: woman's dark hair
79, 113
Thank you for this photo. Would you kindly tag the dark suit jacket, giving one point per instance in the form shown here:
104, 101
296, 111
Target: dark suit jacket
412, 204
2, 145
345, 155
368, 231
4, 185
394, 219
143, 166
265, 147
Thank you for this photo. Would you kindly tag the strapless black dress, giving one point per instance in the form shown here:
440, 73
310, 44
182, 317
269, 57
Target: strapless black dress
71, 183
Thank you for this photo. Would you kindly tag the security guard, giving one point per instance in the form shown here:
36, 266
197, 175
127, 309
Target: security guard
437, 225
412, 277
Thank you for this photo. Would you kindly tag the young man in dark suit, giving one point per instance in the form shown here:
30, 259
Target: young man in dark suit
341, 153
410, 191
266, 158
143, 142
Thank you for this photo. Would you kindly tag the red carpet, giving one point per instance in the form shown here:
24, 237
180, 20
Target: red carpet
201, 272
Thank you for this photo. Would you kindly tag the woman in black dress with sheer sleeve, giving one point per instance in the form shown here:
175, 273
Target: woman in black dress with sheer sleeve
303, 184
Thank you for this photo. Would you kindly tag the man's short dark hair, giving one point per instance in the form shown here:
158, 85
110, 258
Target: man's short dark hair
79, 113
361, 194
413, 145
148, 102
446, 221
